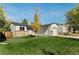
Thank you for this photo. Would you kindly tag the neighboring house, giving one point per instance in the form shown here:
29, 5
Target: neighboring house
19, 29
52, 29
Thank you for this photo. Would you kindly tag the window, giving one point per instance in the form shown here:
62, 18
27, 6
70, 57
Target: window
51, 32
22, 28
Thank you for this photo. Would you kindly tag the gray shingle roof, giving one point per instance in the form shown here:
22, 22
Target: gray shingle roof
18, 24
51, 24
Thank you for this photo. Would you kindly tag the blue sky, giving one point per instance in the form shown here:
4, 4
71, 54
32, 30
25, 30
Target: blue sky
48, 12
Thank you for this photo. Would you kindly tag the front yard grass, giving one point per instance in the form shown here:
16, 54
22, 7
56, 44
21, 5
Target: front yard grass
40, 45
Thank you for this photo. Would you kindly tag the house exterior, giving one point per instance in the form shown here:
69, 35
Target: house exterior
19, 29
52, 29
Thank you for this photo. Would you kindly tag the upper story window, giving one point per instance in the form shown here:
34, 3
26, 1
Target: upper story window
22, 28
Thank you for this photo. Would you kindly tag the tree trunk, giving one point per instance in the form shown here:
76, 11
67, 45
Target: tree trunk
74, 30
35, 32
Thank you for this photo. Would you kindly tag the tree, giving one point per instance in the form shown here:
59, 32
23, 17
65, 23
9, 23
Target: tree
1, 24
25, 22
4, 24
7, 26
35, 24
72, 17
70, 20
2, 18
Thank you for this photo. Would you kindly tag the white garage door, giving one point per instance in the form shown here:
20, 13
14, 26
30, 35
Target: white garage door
55, 32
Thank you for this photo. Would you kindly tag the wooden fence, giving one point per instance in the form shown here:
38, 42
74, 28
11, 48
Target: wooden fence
23, 33
8, 34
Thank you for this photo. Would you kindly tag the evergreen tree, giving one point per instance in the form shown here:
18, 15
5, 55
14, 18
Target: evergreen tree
25, 22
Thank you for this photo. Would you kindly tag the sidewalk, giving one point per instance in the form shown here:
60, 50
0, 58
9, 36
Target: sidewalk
69, 36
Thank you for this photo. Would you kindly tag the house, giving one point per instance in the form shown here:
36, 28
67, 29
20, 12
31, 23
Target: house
52, 29
19, 29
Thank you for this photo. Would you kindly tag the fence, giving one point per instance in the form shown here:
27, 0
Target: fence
17, 34
23, 33
8, 34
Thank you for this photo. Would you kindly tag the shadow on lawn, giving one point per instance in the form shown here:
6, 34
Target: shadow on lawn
46, 52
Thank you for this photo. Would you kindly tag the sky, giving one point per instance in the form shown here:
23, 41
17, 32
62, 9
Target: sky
48, 12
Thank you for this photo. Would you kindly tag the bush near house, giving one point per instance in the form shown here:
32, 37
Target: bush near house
67, 33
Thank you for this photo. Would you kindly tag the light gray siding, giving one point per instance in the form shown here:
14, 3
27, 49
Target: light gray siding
53, 29
12, 27
16, 28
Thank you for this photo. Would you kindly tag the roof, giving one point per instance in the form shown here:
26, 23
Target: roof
51, 24
18, 24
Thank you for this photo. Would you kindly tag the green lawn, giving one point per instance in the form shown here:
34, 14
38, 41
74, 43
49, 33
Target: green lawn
40, 46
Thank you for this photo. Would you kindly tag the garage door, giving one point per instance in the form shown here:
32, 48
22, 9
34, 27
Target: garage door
55, 32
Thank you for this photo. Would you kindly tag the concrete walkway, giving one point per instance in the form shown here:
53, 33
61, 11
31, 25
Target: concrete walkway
69, 36
3, 43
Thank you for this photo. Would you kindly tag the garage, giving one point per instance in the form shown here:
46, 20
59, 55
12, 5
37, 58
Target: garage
54, 30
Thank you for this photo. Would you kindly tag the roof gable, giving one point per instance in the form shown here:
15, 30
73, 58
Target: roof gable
54, 25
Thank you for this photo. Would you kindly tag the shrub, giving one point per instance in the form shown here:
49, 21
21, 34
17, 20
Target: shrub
31, 35
2, 37
66, 33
